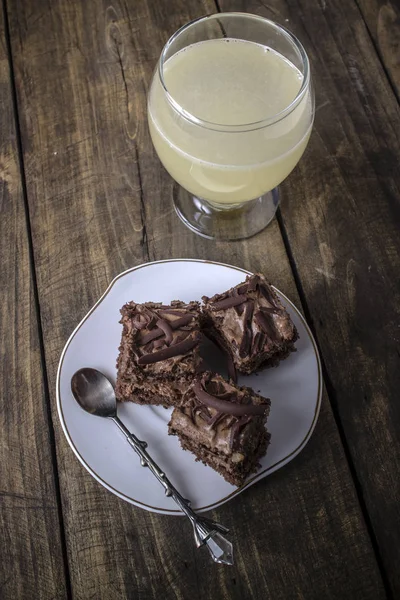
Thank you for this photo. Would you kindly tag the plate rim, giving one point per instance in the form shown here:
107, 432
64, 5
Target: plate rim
260, 475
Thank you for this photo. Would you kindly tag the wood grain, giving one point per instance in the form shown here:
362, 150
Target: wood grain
30, 547
342, 218
100, 202
383, 21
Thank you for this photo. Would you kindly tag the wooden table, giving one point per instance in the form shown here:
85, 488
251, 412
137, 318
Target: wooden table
83, 197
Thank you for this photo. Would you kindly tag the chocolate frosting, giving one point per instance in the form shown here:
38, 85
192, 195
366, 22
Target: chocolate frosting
224, 406
251, 317
219, 412
174, 350
160, 339
228, 302
158, 332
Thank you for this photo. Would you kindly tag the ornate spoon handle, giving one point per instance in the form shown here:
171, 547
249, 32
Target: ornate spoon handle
206, 532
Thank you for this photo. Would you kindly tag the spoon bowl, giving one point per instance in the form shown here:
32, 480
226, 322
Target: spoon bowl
94, 392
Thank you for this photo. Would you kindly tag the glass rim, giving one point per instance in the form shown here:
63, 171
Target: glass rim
260, 124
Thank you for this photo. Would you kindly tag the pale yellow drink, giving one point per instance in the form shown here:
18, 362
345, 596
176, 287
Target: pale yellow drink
229, 83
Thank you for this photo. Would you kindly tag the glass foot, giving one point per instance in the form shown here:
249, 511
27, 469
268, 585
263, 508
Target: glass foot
222, 221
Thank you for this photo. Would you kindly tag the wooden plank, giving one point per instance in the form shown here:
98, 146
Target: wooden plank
83, 71
31, 563
342, 216
383, 21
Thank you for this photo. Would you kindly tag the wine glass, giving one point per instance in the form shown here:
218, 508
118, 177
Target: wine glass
230, 113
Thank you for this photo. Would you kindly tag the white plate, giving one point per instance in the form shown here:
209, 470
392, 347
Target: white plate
294, 388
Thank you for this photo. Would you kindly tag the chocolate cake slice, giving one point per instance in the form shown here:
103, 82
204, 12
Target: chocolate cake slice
159, 352
223, 425
250, 323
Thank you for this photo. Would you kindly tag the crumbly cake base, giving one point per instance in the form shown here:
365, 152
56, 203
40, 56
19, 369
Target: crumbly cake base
164, 391
234, 473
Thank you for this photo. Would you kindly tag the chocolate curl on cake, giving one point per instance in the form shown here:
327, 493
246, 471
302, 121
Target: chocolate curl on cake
140, 322
268, 310
245, 344
151, 316
266, 292
182, 348
242, 289
239, 294
226, 407
228, 302
172, 312
213, 421
167, 329
265, 322
236, 429
158, 332
253, 283
259, 341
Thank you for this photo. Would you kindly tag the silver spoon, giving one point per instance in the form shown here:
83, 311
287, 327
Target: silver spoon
95, 394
